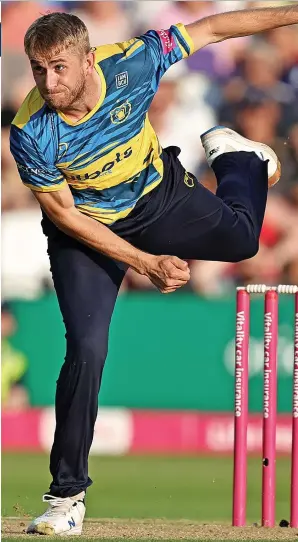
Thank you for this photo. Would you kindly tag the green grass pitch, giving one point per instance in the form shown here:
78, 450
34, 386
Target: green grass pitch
194, 488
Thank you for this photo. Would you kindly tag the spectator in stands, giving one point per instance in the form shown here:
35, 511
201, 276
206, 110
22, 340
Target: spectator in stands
252, 79
107, 22
286, 41
14, 195
259, 116
176, 121
13, 365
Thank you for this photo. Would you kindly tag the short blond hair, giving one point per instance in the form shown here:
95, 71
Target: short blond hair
55, 32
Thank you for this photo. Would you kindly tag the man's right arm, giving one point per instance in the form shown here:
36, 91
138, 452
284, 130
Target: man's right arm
39, 173
167, 273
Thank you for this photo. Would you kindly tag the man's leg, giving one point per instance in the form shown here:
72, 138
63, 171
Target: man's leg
87, 285
200, 225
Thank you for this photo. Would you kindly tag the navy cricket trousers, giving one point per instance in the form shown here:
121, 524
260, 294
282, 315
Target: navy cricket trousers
180, 217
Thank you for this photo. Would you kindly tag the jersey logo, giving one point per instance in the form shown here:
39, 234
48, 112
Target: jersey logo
167, 41
30, 170
216, 149
63, 148
120, 114
121, 79
188, 180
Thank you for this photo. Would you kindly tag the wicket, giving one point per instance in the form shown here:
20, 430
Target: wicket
269, 404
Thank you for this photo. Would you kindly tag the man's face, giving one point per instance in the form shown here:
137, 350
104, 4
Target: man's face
60, 78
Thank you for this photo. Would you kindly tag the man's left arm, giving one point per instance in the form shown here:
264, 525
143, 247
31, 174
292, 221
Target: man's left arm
234, 24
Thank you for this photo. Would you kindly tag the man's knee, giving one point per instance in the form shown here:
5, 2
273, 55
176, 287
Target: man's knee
244, 250
89, 349
242, 239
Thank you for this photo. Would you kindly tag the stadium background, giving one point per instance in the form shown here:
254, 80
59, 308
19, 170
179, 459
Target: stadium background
164, 435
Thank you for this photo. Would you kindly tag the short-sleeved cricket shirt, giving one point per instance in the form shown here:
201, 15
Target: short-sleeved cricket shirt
111, 157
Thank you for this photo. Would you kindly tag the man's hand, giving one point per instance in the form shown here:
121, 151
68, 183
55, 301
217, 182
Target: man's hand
167, 273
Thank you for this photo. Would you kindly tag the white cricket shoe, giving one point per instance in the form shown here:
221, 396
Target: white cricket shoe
63, 516
219, 140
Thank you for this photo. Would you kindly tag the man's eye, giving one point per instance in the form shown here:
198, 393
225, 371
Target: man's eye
37, 69
59, 67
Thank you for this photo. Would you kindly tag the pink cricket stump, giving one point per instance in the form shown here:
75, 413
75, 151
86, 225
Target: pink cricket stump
241, 408
294, 474
269, 408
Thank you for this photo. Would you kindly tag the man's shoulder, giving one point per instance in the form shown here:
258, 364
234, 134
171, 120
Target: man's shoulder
31, 108
124, 48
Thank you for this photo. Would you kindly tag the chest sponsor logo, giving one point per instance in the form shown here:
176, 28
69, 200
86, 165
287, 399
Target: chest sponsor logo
106, 169
121, 79
120, 114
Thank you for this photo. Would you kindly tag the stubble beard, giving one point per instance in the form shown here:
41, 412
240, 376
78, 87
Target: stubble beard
68, 98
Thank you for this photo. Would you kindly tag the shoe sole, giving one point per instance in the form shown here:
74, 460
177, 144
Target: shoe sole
47, 529
221, 130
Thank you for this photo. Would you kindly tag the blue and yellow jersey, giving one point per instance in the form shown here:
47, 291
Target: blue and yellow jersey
111, 157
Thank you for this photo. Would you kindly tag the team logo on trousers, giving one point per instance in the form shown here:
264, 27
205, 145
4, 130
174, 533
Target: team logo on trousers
120, 114
189, 180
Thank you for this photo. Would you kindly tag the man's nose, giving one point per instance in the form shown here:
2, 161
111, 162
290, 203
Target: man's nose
51, 80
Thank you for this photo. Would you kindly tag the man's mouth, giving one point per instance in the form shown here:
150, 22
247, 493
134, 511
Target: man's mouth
50, 94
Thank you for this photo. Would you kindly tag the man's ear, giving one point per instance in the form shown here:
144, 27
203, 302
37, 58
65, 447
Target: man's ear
90, 61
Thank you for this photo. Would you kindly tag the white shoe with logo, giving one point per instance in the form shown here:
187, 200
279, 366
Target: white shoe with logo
219, 140
63, 516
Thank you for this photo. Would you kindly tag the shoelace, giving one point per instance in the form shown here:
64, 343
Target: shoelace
57, 506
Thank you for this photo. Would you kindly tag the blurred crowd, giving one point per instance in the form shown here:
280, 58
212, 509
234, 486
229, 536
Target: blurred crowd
250, 84
14, 394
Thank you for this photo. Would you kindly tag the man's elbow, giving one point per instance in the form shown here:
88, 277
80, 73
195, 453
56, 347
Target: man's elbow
201, 33
58, 206
64, 219
214, 25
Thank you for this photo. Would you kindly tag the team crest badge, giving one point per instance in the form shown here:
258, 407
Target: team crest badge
63, 147
188, 180
120, 114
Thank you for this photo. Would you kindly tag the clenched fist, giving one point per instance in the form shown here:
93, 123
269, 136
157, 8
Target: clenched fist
167, 273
